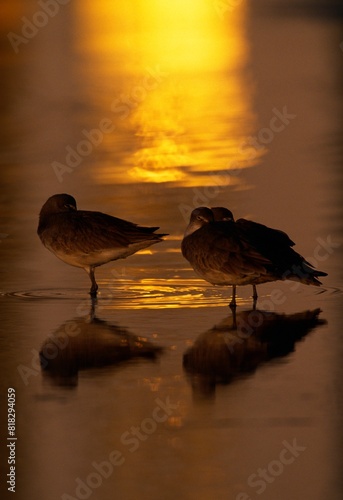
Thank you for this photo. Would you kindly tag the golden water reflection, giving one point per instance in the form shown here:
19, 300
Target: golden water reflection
182, 106
166, 293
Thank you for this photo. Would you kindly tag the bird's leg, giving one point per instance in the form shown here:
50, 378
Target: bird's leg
94, 287
233, 298
94, 302
234, 322
254, 296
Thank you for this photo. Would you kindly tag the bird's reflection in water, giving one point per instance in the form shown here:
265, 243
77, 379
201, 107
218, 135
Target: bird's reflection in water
86, 343
240, 343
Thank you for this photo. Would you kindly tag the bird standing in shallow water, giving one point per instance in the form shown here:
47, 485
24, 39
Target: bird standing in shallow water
228, 252
88, 239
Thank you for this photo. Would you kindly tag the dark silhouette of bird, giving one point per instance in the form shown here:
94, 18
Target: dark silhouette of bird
228, 252
241, 343
88, 239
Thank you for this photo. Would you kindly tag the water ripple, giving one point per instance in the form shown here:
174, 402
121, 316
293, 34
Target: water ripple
153, 294
150, 293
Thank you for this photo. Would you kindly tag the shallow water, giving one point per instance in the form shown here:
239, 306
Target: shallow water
149, 392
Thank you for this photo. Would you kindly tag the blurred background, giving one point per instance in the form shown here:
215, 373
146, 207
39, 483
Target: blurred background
146, 110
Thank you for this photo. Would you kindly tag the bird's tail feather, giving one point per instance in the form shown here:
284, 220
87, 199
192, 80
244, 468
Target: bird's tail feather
306, 274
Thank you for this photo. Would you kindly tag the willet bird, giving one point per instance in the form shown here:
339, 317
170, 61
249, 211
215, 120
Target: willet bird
88, 239
225, 252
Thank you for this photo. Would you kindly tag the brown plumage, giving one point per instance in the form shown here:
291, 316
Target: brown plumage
88, 239
225, 252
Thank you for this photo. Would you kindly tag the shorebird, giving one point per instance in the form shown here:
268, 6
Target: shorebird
88, 239
228, 252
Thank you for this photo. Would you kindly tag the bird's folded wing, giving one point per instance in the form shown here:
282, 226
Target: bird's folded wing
238, 256
94, 231
218, 246
259, 234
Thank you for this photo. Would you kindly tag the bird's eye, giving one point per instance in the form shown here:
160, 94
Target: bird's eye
70, 207
199, 217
